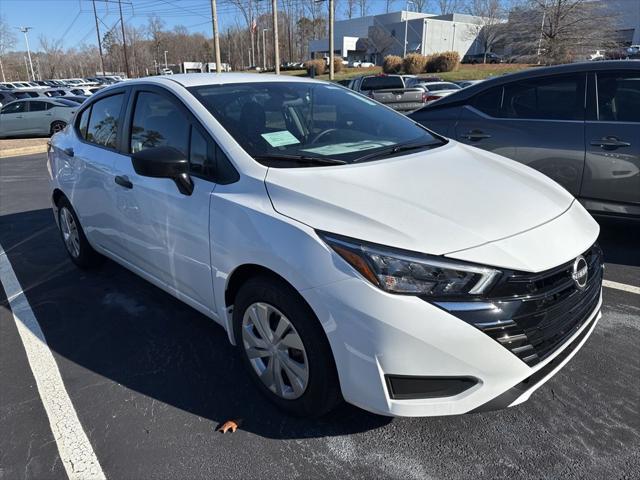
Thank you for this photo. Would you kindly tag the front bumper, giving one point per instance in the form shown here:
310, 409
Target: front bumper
382, 334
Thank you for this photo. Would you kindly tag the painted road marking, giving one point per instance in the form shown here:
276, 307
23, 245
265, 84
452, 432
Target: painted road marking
76, 453
621, 286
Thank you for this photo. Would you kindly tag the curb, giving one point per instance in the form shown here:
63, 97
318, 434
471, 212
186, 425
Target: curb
15, 152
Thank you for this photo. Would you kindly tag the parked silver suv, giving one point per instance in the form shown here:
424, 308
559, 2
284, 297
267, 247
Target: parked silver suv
579, 124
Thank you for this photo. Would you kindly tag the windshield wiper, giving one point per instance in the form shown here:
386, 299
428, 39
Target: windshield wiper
392, 150
311, 160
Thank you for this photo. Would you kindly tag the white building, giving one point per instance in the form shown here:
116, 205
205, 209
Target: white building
373, 37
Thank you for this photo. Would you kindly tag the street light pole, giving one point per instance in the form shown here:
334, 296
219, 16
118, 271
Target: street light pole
331, 46
276, 46
406, 24
25, 30
264, 49
165, 59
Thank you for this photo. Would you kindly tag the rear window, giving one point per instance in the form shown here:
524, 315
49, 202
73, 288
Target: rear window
63, 102
381, 83
442, 86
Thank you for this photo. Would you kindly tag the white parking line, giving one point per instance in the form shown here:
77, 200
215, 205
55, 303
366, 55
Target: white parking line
76, 453
621, 286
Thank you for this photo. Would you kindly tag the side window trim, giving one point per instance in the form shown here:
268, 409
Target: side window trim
193, 120
120, 91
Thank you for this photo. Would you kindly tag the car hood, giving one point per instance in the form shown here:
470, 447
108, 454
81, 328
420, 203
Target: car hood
437, 201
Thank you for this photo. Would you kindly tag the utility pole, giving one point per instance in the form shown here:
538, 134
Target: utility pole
25, 30
264, 49
165, 59
216, 39
95, 16
331, 47
276, 46
26, 66
124, 41
2, 70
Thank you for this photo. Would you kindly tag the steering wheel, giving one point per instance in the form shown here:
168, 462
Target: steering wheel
323, 134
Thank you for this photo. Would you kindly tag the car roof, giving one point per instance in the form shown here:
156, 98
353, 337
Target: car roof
199, 79
534, 72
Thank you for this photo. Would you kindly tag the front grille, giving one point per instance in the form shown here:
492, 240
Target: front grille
533, 314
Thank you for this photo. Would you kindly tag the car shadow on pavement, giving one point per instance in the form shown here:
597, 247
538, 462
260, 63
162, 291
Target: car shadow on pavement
120, 327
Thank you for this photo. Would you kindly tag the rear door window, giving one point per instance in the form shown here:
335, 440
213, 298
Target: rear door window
105, 121
553, 98
619, 96
38, 106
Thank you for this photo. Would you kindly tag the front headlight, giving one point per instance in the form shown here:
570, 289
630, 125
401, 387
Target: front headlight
398, 271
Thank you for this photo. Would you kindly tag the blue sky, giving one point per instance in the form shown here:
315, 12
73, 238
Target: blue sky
73, 22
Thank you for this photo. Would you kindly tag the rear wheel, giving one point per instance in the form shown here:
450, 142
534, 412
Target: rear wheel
284, 348
75, 242
57, 126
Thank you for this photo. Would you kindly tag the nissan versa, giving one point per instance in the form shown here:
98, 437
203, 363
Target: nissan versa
349, 252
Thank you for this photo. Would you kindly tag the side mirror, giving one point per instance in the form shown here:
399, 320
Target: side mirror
164, 162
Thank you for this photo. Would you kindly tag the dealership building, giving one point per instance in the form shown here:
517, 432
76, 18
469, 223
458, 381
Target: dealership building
373, 37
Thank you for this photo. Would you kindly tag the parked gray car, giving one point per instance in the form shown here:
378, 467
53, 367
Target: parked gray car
41, 116
579, 124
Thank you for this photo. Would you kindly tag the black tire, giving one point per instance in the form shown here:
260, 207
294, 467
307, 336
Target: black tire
57, 126
322, 393
86, 257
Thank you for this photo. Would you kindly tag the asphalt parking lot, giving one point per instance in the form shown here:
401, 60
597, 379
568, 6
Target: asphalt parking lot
150, 380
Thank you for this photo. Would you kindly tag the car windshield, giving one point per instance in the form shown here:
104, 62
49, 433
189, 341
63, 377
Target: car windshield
301, 123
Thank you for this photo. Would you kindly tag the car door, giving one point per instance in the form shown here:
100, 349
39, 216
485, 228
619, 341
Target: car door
38, 117
166, 232
90, 175
611, 179
537, 121
11, 118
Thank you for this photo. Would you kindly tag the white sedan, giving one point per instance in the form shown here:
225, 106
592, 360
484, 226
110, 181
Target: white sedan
35, 116
348, 252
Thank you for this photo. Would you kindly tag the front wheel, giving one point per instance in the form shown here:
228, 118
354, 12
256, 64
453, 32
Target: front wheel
284, 348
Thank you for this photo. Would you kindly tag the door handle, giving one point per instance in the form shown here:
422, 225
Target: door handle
123, 181
47, 114
68, 151
609, 143
475, 135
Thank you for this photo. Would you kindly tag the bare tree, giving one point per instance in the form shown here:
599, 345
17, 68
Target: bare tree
53, 56
350, 8
489, 27
7, 42
364, 7
445, 7
420, 5
558, 31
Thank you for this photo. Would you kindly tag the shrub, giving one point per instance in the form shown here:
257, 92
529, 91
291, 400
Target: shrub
392, 64
414, 63
317, 65
443, 62
337, 64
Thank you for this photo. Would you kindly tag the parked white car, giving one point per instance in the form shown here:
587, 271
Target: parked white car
36, 116
437, 90
347, 251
